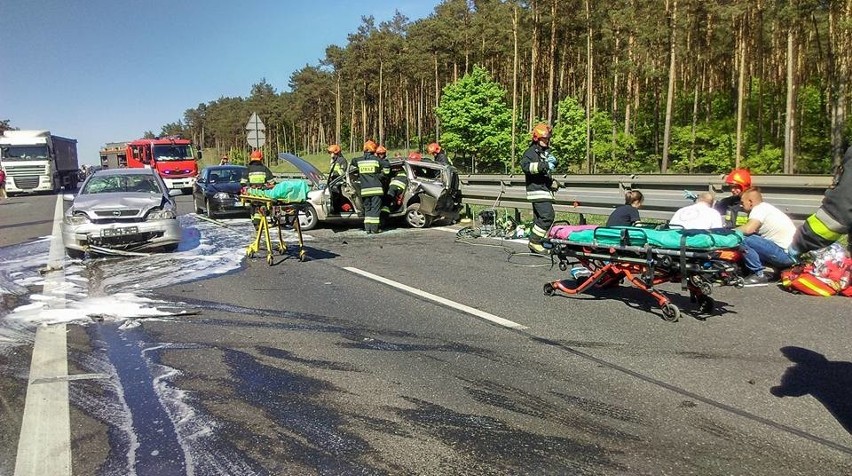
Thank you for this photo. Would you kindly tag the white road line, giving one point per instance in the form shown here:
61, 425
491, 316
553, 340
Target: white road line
446, 302
44, 446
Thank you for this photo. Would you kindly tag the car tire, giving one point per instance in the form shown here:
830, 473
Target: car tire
415, 218
209, 210
75, 254
308, 218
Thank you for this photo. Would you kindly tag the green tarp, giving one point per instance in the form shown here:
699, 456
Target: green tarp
695, 239
288, 191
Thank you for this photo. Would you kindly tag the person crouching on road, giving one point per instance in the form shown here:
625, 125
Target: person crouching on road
699, 216
370, 170
627, 214
768, 235
537, 164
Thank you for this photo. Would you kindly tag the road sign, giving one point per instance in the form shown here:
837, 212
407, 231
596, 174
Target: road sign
255, 127
256, 139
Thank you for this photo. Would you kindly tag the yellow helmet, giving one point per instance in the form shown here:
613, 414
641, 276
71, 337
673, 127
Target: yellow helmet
369, 146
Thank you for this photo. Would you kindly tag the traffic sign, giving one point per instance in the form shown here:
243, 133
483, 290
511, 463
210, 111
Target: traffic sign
256, 139
255, 124
255, 127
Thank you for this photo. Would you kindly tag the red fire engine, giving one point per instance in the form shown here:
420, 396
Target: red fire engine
172, 157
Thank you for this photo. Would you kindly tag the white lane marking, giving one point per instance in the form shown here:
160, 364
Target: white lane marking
446, 302
44, 446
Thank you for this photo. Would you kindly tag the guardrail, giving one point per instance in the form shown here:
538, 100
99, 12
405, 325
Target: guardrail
797, 195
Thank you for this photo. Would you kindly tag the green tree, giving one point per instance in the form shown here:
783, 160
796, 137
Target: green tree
5, 126
476, 121
569, 135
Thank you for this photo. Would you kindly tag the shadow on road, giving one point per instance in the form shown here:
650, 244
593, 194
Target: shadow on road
830, 382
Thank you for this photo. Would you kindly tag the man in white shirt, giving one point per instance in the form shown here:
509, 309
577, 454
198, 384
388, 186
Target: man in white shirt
699, 216
769, 233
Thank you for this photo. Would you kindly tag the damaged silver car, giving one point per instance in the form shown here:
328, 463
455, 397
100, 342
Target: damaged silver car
433, 194
121, 209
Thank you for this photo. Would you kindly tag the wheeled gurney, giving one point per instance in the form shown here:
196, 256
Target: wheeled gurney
646, 258
280, 206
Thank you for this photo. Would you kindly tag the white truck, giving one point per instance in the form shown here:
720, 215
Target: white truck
37, 161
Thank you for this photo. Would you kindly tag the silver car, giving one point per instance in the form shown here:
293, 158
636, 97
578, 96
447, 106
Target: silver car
433, 194
121, 209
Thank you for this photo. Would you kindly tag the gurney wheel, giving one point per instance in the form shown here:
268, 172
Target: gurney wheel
269, 259
671, 312
303, 256
563, 266
548, 289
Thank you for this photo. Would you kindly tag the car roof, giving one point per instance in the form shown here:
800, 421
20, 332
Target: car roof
124, 171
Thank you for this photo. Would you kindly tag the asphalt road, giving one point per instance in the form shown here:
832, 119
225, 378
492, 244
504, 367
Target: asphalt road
315, 368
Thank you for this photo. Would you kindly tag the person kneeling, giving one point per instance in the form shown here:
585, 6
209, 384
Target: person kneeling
768, 235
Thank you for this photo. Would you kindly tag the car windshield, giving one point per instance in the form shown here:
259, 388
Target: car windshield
173, 152
24, 152
227, 175
121, 183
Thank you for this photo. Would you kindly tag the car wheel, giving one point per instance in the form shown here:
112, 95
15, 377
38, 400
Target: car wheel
75, 254
415, 218
308, 218
209, 210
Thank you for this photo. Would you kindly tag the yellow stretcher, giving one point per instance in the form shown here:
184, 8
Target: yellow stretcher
278, 212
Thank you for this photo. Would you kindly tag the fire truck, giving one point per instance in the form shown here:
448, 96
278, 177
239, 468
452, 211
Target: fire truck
172, 157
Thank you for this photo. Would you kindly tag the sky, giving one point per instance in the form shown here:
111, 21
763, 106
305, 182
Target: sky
107, 71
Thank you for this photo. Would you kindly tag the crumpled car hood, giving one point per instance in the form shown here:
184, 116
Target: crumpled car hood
117, 201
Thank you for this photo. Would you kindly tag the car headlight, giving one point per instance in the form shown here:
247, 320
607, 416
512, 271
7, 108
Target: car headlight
221, 196
158, 214
78, 218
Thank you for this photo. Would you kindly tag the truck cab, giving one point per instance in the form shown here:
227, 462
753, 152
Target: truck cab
37, 161
173, 158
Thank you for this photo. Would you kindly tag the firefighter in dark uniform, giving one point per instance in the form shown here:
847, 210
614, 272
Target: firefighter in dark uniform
438, 154
731, 207
258, 173
537, 163
382, 154
397, 186
258, 176
370, 170
338, 162
833, 219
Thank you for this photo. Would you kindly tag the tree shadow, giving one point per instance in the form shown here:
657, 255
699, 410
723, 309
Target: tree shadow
830, 382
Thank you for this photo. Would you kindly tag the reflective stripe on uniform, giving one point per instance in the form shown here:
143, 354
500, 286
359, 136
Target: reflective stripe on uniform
539, 195
257, 177
372, 191
821, 224
398, 184
372, 220
534, 167
538, 231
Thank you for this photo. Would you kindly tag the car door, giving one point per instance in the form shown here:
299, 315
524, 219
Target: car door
198, 189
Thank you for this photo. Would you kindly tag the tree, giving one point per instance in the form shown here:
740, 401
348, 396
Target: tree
5, 126
476, 121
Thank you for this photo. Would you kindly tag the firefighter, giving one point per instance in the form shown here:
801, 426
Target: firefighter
397, 186
833, 219
438, 154
537, 164
370, 170
258, 174
382, 154
338, 163
731, 207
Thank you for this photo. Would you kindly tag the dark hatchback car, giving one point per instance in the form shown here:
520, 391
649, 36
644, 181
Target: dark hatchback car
216, 191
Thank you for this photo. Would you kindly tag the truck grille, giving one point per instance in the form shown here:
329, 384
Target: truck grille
21, 170
26, 182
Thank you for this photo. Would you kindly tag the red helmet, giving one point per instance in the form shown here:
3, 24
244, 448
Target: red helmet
380, 150
415, 156
256, 154
369, 146
433, 148
740, 177
334, 149
541, 131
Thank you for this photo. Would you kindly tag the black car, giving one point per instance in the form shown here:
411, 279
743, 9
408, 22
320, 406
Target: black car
216, 191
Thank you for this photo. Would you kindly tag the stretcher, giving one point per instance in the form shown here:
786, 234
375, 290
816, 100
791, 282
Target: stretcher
645, 258
279, 213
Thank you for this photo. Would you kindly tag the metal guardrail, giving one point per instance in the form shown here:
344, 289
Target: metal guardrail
797, 195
